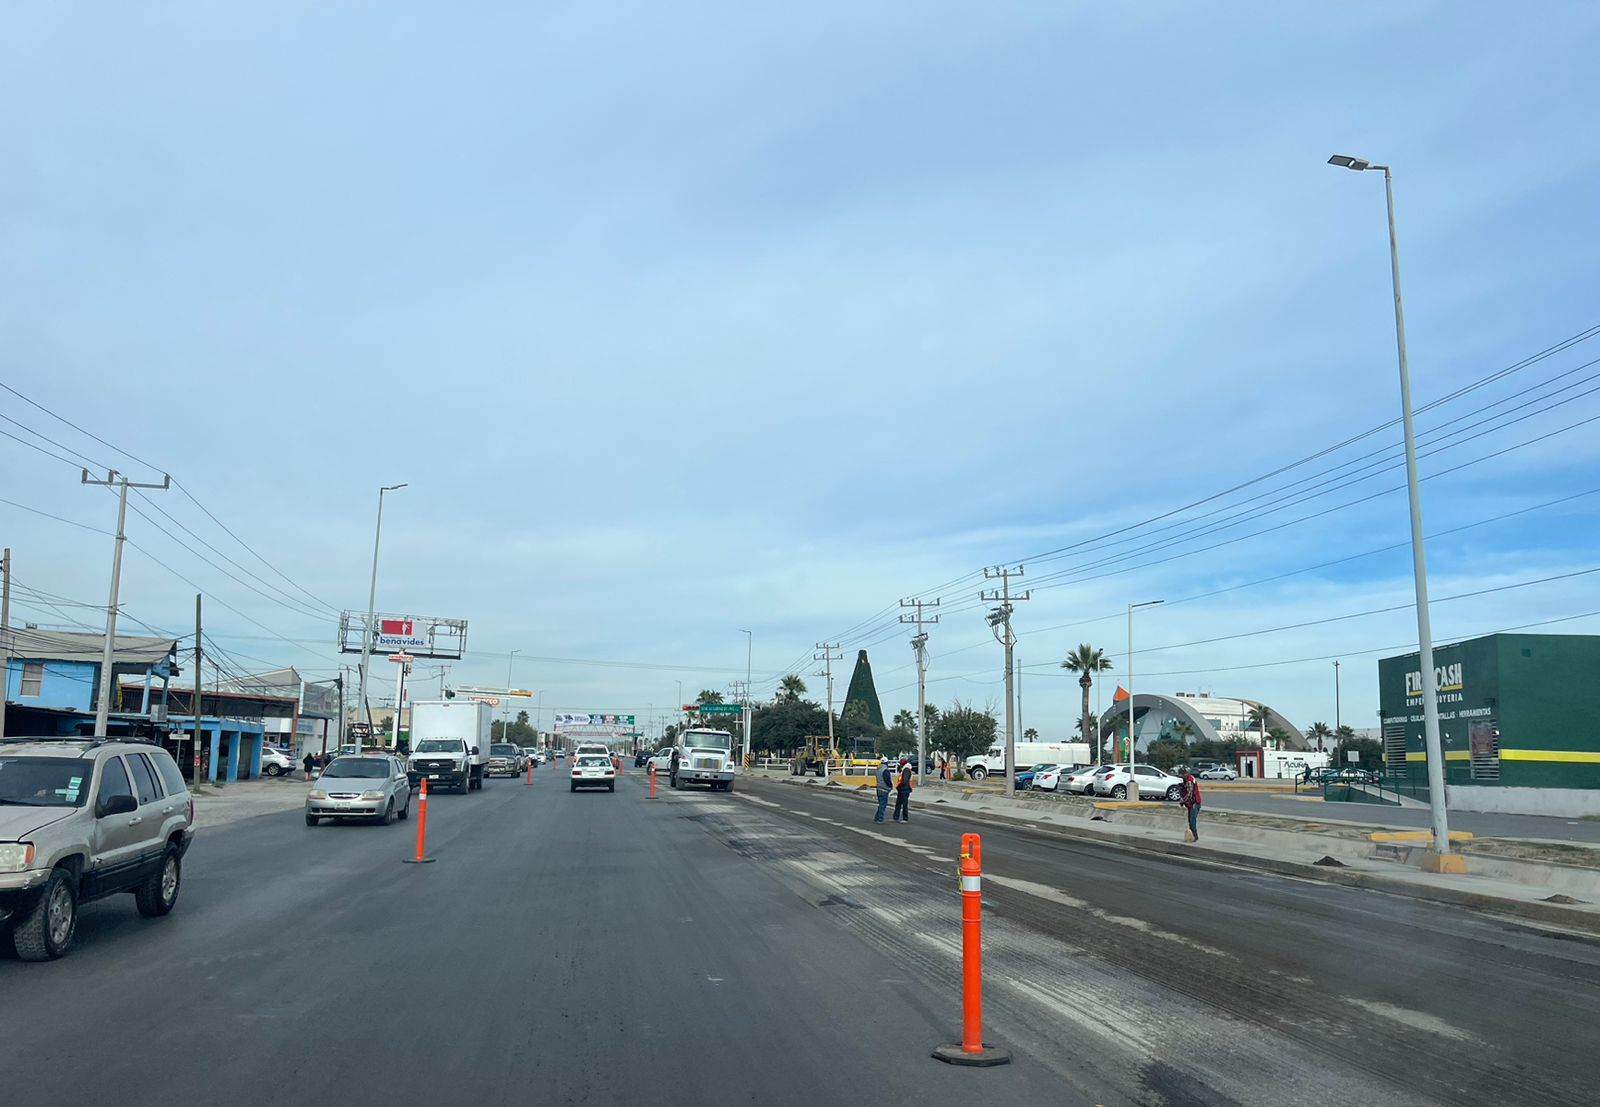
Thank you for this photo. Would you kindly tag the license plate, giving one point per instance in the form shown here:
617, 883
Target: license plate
433, 776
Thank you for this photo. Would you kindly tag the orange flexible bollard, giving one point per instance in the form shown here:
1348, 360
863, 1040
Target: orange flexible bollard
972, 1050
422, 829
530, 772
652, 782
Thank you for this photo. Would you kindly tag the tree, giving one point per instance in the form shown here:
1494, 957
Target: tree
1166, 752
905, 719
1030, 735
1318, 733
1086, 661
856, 725
1257, 719
784, 725
1368, 751
1183, 731
963, 731
791, 688
1344, 733
708, 696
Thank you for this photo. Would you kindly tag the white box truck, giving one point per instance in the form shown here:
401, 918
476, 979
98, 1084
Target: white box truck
702, 757
1028, 754
449, 743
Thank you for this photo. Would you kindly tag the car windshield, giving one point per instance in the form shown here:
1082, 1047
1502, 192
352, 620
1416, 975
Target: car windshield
43, 781
718, 741
504, 751
439, 745
594, 762
366, 768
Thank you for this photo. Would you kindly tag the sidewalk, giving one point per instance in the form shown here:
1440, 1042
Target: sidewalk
1562, 894
214, 806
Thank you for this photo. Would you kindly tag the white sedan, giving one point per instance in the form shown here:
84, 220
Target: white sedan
1050, 779
1153, 783
1220, 772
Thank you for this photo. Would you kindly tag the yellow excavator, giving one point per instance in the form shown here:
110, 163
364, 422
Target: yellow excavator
814, 757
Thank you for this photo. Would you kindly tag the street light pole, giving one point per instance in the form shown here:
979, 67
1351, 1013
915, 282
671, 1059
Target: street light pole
367, 634
505, 727
1419, 564
1133, 781
1336, 721
749, 652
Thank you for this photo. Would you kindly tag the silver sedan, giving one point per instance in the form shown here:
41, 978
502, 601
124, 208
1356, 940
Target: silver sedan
371, 787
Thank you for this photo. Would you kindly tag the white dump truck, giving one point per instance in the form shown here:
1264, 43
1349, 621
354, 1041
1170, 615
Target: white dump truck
449, 743
703, 757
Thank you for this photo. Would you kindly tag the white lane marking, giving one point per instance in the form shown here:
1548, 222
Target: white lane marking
1055, 895
1417, 1020
762, 802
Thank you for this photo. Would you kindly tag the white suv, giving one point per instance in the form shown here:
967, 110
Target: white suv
1153, 783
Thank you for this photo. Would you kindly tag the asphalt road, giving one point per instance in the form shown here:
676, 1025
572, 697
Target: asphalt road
774, 946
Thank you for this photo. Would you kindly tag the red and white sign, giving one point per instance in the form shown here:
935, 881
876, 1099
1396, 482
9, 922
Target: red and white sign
401, 658
399, 635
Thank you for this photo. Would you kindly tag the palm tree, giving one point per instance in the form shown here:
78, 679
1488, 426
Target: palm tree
1183, 731
905, 719
1317, 732
1258, 719
1086, 661
791, 688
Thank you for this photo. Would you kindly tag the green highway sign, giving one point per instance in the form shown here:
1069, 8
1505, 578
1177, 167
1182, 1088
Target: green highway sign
721, 709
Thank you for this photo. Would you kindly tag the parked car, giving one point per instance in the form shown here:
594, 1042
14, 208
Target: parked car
1026, 778
1052, 778
593, 770
1218, 772
82, 819
1080, 782
373, 787
274, 762
1153, 783
505, 759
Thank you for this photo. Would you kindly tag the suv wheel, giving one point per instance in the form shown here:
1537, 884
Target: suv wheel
45, 932
1120, 792
157, 895
1174, 794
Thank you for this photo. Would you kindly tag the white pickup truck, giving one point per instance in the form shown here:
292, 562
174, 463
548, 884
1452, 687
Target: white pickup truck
703, 757
1028, 754
449, 743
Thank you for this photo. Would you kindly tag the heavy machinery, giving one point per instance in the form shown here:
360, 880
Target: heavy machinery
814, 757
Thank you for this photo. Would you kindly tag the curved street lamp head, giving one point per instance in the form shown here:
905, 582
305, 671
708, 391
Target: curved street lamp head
392, 488
1346, 161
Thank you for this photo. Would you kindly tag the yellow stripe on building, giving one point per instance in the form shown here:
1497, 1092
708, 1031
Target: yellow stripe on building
1449, 755
1575, 757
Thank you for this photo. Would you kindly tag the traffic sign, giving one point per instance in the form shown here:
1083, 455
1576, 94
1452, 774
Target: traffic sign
401, 658
721, 709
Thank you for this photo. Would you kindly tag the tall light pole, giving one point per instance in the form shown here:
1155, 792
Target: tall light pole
749, 652
1440, 859
1336, 721
1133, 781
369, 631
505, 729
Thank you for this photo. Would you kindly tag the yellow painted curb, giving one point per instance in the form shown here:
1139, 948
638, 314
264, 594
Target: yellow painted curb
1443, 863
1112, 805
1416, 836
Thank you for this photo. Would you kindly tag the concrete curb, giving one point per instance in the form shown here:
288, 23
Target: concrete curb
1556, 914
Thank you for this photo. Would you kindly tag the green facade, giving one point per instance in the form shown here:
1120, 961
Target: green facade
1515, 710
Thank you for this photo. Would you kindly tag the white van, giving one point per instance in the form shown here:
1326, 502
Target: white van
1028, 754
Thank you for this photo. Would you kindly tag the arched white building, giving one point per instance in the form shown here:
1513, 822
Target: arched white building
1210, 718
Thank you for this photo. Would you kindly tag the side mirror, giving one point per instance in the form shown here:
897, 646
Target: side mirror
474, 751
116, 805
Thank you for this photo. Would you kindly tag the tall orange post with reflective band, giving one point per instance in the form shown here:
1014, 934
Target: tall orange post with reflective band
972, 1050
422, 829
530, 772
652, 782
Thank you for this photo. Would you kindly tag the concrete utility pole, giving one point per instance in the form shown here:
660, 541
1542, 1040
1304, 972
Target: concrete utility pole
1336, 723
1440, 861
919, 643
107, 658
1000, 624
826, 655
199, 700
5, 635
369, 632
749, 654
1133, 780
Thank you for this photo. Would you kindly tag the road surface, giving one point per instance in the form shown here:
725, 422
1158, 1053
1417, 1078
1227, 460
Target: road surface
774, 946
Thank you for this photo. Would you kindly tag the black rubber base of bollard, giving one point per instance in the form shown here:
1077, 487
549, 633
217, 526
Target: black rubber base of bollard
990, 1056
418, 860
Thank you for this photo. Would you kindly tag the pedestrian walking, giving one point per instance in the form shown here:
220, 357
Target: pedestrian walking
1190, 797
310, 763
902, 793
885, 786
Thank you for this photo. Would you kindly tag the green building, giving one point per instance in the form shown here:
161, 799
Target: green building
1517, 720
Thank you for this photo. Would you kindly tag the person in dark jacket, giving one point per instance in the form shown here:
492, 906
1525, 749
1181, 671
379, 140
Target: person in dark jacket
885, 786
1190, 797
902, 793
310, 764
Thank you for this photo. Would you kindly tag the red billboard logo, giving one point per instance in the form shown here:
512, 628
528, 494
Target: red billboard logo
397, 628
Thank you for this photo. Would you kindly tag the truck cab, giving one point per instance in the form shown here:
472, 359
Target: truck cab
449, 743
703, 757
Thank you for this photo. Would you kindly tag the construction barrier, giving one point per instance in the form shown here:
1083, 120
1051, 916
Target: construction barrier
652, 782
422, 857
972, 1050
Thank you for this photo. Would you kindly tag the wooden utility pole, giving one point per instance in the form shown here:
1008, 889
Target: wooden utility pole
195, 708
5, 635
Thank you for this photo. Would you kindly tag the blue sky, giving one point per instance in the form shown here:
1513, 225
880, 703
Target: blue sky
682, 319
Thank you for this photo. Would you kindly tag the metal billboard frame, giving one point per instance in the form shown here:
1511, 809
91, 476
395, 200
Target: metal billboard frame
447, 638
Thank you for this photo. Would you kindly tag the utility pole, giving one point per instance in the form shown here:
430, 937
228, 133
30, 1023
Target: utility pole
1133, 779
826, 655
198, 699
749, 653
369, 632
107, 657
919, 644
5, 635
339, 682
1336, 723
1021, 729
1000, 624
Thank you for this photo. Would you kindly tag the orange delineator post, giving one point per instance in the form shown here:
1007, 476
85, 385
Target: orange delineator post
530, 771
652, 782
422, 828
972, 1050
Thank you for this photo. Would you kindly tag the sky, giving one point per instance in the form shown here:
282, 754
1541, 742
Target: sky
685, 320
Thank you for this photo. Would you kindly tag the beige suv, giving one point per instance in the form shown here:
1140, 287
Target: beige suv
81, 819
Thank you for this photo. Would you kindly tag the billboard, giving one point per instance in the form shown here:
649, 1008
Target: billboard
418, 635
568, 720
398, 634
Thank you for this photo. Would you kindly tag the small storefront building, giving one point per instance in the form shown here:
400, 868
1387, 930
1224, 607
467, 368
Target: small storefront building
1516, 720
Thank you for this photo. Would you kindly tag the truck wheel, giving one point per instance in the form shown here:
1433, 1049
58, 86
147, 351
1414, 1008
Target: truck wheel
466, 784
978, 772
46, 931
158, 895
728, 787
